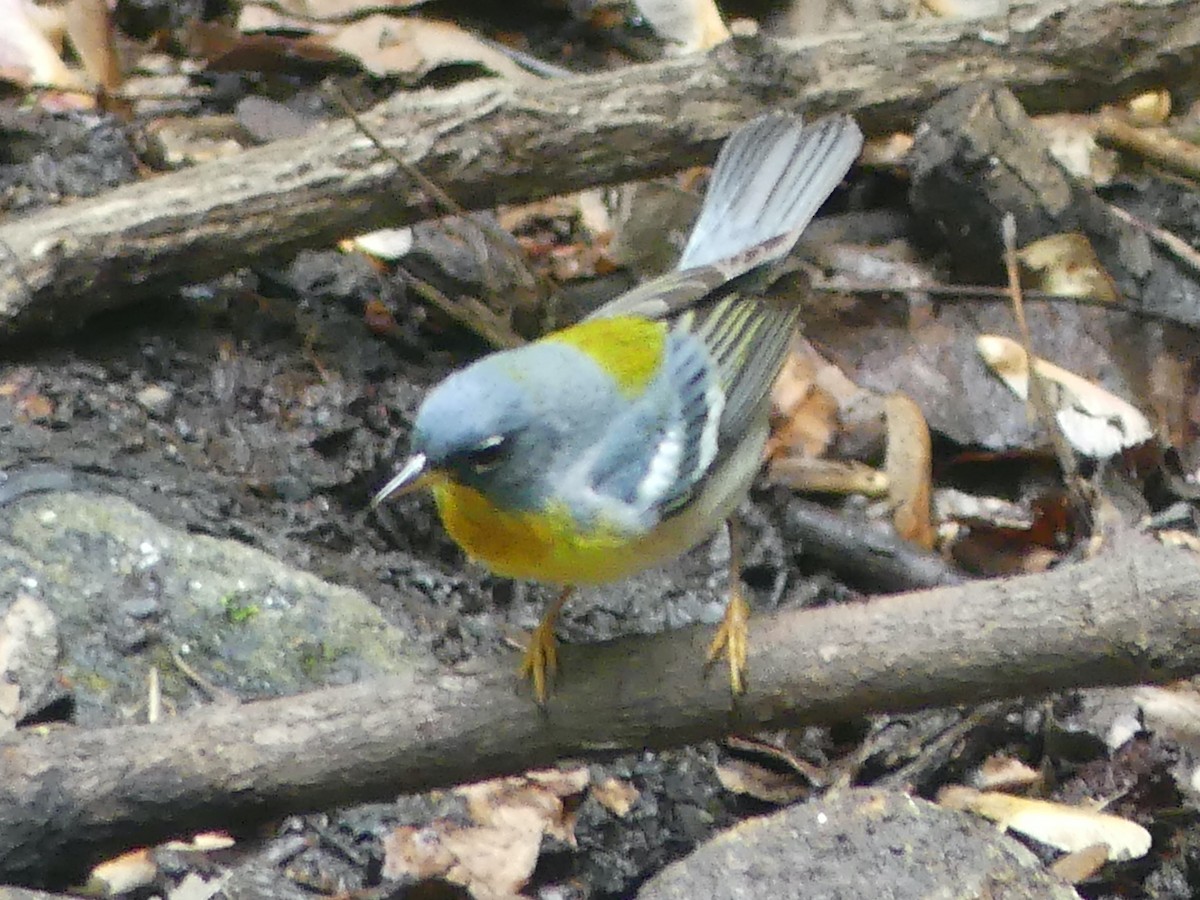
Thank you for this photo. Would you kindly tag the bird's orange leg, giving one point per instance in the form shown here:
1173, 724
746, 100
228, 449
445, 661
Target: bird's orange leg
540, 662
733, 634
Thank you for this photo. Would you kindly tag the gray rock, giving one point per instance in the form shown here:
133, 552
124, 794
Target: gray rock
859, 843
212, 615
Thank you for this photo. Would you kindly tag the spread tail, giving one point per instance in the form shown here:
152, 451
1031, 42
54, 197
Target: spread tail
770, 179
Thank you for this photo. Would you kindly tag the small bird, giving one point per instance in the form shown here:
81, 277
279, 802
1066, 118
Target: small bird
619, 443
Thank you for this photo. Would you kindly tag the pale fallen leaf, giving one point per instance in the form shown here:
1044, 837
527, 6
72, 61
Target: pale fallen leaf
1067, 828
815, 404
909, 467
1066, 264
1000, 772
691, 25
204, 842
1150, 108
387, 243
1096, 422
123, 874
388, 46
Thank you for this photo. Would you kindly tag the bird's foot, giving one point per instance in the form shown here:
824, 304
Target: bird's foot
540, 662
731, 641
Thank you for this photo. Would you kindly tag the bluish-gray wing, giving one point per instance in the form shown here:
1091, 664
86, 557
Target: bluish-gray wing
661, 448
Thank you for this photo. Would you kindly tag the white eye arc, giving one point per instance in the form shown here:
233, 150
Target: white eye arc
488, 453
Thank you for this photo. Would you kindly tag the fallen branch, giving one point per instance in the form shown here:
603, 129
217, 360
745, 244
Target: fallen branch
70, 797
493, 142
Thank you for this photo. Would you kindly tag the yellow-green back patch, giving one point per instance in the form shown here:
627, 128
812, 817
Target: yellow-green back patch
628, 348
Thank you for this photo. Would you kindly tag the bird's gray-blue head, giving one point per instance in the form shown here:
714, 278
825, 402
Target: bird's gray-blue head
506, 423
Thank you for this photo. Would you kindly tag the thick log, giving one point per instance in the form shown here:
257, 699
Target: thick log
70, 797
492, 142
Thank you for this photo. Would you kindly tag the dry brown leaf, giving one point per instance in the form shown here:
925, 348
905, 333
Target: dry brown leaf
502, 802
1096, 422
807, 423
1066, 264
387, 46
490, 862
92, 34
909, 468
616, 796
228, 50
760, 782
494, 857
1080, 865
1068, 828
691, 25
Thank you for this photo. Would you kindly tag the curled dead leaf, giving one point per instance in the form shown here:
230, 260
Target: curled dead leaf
760, 782
1000, 772
909, 467
828, 476
1096, 422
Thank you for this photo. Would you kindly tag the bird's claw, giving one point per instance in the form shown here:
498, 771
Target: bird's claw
731, 641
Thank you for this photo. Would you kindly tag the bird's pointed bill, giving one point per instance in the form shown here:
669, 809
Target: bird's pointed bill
412, 475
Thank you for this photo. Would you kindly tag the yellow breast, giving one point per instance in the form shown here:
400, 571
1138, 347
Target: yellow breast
535, 546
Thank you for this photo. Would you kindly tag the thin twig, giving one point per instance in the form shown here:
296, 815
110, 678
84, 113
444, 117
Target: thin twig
1039, 394
1180, 248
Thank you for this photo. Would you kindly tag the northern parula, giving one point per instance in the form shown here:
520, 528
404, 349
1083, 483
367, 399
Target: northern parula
620, 443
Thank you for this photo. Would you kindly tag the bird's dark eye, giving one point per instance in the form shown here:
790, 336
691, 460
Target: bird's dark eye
487, 453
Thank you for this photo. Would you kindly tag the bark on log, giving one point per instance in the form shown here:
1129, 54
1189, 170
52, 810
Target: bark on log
494, 142
70, 797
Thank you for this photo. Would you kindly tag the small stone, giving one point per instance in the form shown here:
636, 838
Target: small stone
155, 399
